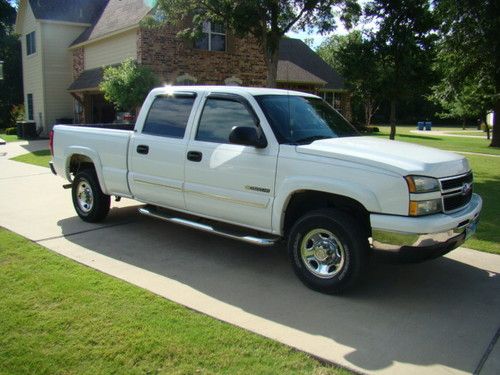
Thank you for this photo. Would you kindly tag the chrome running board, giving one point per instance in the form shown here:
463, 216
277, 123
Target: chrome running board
259, 241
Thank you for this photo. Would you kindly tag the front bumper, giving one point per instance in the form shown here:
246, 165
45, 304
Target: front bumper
413, 239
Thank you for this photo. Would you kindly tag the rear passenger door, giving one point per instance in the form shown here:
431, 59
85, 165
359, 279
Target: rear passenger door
157, 154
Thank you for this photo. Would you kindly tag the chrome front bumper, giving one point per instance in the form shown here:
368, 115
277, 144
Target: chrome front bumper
408, 246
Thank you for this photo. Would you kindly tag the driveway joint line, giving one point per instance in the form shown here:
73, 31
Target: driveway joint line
487, 353
28, 175
85, 231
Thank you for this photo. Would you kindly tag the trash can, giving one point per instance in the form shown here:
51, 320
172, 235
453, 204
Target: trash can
428, 125
420, 125
19, 129
29, 130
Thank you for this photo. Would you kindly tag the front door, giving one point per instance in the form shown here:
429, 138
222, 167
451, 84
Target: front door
158, 153
230, 182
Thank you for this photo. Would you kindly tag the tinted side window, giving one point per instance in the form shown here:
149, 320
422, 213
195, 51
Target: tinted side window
168, 116
218, 119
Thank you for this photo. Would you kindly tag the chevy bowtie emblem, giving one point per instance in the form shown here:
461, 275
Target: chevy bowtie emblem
466, 188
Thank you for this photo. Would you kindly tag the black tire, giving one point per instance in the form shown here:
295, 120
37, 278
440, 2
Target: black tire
318, 235
96, 208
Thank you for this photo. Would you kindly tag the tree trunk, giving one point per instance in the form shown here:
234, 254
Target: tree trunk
484, 119
272, 68
392, 119
464, 123
495, 138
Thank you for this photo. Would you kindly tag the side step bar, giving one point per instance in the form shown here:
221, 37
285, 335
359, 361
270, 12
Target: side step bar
259, 241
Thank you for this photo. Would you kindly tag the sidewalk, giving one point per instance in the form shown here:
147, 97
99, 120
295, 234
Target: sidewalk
438, 317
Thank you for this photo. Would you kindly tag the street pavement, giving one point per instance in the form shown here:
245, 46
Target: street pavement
438, 317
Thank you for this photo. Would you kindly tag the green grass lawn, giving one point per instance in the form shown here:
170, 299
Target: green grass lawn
9, 138
40, 158
403, 133
59, 317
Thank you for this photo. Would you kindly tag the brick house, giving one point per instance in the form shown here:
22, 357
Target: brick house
66, 47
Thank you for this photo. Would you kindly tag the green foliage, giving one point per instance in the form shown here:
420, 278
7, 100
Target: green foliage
267, 21
468, 58
404, 41
11, 131
355, 57
127, 85
17, 112
10, 53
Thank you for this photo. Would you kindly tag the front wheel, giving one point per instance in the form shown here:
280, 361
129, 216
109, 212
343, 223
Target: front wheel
328, 250
90, 203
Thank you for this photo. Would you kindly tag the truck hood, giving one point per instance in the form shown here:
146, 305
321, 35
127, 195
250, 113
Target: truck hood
399, 157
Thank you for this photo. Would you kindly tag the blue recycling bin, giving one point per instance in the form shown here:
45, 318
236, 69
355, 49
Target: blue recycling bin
428, 125
420, 125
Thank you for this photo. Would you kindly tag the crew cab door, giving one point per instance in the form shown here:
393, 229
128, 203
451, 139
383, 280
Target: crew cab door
229, 182
157, 151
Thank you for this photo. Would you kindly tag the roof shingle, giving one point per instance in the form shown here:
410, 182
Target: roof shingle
117, 15
297, 52
79, 11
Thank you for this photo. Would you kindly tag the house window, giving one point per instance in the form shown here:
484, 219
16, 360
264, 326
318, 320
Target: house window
213, 39
30, 43
30, 106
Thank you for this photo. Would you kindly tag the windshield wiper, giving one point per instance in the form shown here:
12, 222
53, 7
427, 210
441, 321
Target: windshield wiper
308, 140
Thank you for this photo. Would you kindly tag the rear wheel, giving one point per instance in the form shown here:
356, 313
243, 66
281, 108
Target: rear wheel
328, 250
90, 203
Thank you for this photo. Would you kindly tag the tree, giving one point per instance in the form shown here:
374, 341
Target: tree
355, 57
404, 42
267, 20
127, 85
11, 86
469, 56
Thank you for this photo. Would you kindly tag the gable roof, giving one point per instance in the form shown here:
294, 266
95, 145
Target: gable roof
298, 53
78, 11
290, 72
116, 15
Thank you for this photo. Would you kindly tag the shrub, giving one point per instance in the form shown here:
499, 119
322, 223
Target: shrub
127, 85
11, 131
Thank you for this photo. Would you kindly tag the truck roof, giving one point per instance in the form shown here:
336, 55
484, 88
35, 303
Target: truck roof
254, 91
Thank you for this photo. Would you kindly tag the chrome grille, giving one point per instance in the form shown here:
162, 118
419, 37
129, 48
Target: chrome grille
456, 191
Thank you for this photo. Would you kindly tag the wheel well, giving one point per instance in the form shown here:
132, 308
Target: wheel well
80, 162
302, 202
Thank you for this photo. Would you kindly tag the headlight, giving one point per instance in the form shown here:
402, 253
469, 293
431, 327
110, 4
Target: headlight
419, 208
421, 184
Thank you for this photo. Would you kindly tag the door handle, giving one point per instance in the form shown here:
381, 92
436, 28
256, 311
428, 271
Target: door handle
194, 156
142, 149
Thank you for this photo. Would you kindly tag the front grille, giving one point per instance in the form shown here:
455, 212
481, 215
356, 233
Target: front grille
456, 191
456, 182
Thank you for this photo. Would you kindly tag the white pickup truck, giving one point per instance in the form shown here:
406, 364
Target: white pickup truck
264, 165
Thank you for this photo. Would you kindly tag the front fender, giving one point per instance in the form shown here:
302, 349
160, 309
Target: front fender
292, 185
92, 155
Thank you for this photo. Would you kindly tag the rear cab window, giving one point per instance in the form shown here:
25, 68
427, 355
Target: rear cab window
168, 115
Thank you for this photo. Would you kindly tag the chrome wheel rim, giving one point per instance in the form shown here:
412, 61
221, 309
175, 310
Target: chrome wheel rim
84, 196
322, 253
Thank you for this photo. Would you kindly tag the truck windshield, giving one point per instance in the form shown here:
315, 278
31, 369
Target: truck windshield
302, 120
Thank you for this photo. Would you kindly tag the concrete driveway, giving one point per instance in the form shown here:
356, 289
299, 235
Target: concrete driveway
438, 317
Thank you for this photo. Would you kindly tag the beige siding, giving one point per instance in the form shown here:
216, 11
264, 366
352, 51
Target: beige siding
32, 65
58, 76
111, 50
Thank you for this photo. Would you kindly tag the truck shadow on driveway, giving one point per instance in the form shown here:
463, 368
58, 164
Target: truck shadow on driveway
442, 312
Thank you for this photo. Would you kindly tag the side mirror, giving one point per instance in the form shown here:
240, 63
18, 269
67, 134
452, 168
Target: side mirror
247, 136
